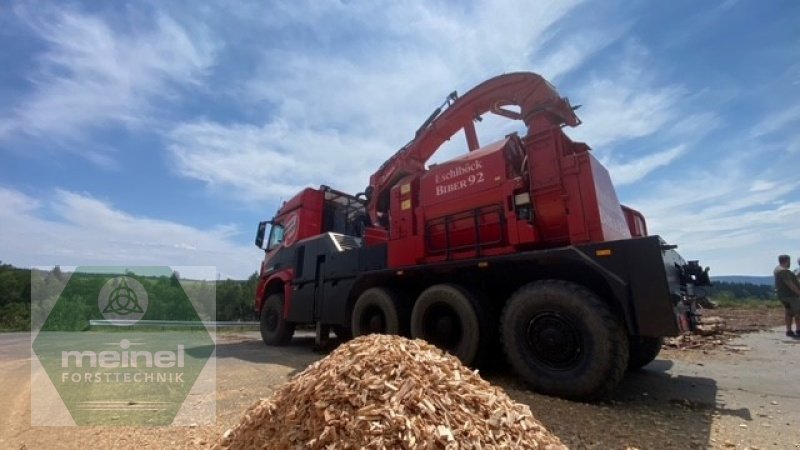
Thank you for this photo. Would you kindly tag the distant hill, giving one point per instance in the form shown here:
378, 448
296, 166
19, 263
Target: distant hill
741, 279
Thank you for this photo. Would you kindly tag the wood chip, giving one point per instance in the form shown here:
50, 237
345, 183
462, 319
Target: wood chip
381, 392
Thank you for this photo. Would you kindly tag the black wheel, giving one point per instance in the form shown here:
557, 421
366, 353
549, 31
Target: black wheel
563, 340
379, 310
643, 350
274, 329
452, 318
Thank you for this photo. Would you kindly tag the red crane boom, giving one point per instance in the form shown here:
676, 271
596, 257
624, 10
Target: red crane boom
540, 107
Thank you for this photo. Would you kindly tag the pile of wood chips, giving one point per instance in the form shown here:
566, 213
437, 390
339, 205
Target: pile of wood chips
711, 332
379, 392
711, 325
689, 341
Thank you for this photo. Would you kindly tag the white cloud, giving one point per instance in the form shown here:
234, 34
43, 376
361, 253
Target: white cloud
626, 102
695, 126
776, 121
730, 216
761, 185
271, 161
92, 74
76, 229
335, 117
565, 50
333, 103
634, 170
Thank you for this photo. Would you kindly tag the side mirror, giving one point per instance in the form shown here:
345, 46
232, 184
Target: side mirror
262, 229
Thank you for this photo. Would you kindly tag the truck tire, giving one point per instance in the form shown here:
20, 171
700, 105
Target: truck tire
452, 318
563, 340
644, 350
379, 310
275, 330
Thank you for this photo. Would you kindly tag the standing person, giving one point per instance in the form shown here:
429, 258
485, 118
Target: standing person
797, 271
788, 288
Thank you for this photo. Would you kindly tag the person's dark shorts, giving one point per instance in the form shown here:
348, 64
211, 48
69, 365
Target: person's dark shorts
792, 305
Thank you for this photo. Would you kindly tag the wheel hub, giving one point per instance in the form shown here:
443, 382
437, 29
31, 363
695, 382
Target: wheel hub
377, 323
554, 340
442, 327
272, 320
445, 327
373, 320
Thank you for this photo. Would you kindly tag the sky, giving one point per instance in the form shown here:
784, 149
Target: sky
162, 132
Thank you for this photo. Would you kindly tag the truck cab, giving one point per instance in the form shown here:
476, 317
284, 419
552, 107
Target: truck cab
309, 214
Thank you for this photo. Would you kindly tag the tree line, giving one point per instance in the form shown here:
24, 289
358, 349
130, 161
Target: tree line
741, 291
77, 302
234, 298
15, 298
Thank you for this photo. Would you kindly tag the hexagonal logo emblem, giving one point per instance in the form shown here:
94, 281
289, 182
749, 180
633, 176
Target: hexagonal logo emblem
129, 346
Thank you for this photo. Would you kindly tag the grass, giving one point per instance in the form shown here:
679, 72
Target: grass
746, 303
98, 394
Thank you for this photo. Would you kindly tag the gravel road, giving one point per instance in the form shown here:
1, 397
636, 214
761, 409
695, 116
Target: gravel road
741, 395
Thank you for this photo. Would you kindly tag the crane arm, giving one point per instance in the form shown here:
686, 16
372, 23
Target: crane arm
539, 104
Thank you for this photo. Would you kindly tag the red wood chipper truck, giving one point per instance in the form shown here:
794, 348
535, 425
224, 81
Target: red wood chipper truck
521, 244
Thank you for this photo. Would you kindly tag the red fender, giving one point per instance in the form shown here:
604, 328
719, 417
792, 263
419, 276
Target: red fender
285, 277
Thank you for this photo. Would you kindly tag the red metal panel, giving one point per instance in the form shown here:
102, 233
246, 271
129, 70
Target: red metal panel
375, 236
636, 222
547, 191
301, 215
404, 238
403, 201
611, 218
468, 174
573, 197
458, 231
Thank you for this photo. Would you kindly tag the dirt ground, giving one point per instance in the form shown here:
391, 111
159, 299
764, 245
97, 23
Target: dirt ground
740, 394
752, 319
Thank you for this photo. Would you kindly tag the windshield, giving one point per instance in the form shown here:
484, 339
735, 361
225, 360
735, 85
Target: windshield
275, 236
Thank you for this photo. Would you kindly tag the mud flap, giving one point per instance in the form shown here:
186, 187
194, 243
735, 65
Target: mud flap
686, 310
691, 277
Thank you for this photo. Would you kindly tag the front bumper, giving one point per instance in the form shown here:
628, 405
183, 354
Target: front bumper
692, 278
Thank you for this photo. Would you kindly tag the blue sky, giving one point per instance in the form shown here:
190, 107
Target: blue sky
161, 133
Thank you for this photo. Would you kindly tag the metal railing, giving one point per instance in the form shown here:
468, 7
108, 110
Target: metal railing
472, 216
170, 323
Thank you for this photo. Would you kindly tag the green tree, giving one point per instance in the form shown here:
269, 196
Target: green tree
10, 289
